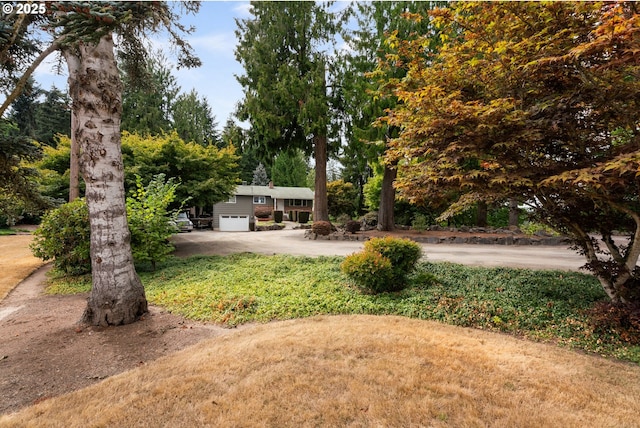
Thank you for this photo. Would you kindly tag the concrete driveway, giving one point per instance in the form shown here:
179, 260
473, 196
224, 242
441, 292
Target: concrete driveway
293, 242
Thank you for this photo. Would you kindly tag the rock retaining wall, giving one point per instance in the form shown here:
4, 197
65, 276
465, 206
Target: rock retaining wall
472, 239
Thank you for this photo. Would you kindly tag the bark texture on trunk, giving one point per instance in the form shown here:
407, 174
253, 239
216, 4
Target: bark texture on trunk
386, 220
320, 203
482, 214
73, 65
117, 295
74, 164
514, 213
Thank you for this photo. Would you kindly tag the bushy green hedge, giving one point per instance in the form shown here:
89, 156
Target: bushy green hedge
64, 234
64, 237
384, 264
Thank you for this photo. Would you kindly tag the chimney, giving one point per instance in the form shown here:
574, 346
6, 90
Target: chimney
271, 185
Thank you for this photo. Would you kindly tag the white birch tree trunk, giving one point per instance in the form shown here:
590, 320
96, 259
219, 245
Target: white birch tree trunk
117, 295
73, 64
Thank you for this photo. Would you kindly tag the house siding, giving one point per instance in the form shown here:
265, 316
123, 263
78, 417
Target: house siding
243, 206
283, 195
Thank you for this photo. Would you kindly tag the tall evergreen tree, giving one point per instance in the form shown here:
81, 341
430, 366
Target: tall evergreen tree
290, 169
24, 108
260, 177
194, 121
285, 81
53, 116
147, 104
366, 93
234, 134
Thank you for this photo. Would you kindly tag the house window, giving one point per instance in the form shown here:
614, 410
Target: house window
260, 200
298, 202
232, 200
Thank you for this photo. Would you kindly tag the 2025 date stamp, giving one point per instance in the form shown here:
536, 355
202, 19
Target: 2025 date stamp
24, 8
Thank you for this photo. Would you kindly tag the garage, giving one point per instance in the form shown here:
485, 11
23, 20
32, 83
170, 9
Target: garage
234, 223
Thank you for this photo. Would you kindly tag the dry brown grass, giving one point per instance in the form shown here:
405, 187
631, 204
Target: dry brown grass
16, 261
357, 371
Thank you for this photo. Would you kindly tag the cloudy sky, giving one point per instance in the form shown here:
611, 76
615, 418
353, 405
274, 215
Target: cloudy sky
214, 42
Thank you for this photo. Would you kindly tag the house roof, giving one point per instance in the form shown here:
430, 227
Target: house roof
277, 192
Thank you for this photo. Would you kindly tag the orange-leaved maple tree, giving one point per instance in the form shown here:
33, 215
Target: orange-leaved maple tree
538, 101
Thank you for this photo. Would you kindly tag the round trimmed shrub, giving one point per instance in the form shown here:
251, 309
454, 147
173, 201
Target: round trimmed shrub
64, 237
369, 270
321, 228
262, 212
403, 254
352, 226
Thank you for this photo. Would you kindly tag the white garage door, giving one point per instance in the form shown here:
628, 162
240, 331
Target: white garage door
234, 223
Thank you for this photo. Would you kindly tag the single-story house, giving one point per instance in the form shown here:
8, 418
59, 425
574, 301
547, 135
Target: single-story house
236, 214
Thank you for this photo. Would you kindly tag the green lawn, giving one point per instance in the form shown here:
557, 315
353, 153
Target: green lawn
241, 288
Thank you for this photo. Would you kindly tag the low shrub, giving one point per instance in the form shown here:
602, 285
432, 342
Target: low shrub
64, 234
419, 222
64, 237
369, 270
343, 219
370, 220
321, 228
403, 254
352, 226
532, 228
384, 265
262, 212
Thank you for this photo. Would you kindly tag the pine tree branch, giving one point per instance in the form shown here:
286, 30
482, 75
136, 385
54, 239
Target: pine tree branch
55, 45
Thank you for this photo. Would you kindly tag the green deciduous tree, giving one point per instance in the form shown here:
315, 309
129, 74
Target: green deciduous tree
148, 213
536, 101
207, 174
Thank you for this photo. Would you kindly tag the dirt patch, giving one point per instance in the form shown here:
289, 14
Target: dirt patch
44, 353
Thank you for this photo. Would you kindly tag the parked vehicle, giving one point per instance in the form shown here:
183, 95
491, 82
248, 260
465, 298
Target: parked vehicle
182, 223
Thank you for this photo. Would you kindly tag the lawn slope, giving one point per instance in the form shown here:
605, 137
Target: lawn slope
357, 371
